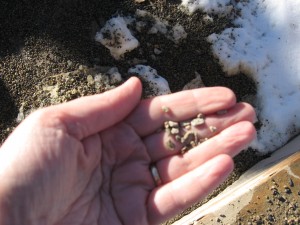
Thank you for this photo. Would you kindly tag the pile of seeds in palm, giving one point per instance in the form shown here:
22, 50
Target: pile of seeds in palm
184, 132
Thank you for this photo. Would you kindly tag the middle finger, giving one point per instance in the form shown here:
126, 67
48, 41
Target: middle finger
150, 114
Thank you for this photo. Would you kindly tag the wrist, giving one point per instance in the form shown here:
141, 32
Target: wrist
16, 208
10, 211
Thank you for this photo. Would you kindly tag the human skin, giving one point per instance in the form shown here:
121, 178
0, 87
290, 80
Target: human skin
87, 161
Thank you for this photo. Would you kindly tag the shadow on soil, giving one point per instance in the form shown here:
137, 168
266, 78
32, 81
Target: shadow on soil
63, 21
8, 108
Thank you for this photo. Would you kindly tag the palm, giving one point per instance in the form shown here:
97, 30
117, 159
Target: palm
123, 178
89, 163
127, 182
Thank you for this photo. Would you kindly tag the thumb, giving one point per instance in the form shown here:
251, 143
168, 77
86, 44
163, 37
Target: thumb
88, 115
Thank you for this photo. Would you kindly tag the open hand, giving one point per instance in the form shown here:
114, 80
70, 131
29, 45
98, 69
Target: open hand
87, 161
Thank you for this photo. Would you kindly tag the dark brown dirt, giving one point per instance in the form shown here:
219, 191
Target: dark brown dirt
40, 39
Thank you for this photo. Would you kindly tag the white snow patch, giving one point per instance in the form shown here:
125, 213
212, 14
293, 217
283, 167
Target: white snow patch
178, 33
114, 75
116, 36
175, 33
208, 6
158, 85
265, 45
208, 19
195, 83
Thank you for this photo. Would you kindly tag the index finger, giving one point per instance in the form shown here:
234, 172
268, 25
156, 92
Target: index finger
91, 114
150, 114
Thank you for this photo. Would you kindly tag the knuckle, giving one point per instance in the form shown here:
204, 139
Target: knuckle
46, 117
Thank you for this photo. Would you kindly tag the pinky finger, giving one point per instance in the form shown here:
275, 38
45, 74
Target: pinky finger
174, 197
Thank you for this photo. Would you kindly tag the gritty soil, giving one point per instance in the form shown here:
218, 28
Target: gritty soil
273, 199
41, 39
275, 202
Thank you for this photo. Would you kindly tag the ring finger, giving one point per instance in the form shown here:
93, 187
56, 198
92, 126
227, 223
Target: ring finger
230, 141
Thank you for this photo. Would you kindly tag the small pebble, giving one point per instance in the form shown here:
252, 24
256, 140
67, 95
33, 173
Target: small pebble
157, 51
203, 140
170, 145
165, 109
201, 115
287, 190
193, 144
173, 124
197, 122
184, 150
291, 183
185, 124
174, 130
212, 129
178, 138
90, 79
188, 137
188, 127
